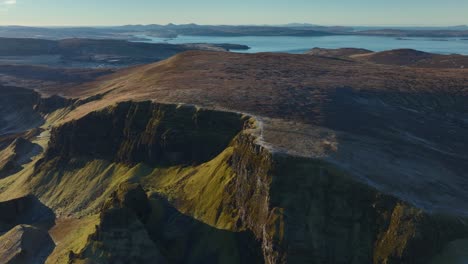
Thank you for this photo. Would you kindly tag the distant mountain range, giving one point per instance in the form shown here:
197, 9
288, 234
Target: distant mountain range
129, 32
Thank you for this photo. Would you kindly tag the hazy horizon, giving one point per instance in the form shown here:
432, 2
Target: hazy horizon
209, 12
272, 25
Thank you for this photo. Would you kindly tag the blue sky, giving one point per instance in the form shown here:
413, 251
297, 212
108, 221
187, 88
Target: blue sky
326, 12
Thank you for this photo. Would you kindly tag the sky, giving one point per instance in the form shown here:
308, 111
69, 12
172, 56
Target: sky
215, 12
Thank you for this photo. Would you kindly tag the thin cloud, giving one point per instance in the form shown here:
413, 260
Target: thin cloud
7, 2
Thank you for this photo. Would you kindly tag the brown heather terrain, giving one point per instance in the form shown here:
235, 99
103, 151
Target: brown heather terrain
399, 57
296, 87
414, 58
334, 53
329, 157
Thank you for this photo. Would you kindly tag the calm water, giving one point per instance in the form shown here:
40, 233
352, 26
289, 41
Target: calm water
302, 44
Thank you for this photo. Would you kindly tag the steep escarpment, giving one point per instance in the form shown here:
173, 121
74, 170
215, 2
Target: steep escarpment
17, 112
18, 153
128, 141
154, 134
178, 153
252, 164
23, 113
308, 211
23, 109
149, 143
140, 164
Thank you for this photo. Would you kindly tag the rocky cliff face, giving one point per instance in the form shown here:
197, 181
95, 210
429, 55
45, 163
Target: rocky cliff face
17, 110
134, 228
23, 109
121, 235
27, 210
19, 152
154, 134
24, 224
25, 244
252, 164
275, 208
307, 211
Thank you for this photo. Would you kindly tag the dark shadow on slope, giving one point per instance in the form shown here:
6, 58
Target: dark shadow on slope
155, 232
19, 153
17, 113
27, 210
331, 218
187, 240
411, 144
24, 225
23, 109
26, 244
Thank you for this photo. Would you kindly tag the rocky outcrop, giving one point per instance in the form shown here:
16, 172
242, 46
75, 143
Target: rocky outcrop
155, 134
121, 235
17, 154
411, 235
23, 109
17, 112
23, 231
252, 164
50, 104
25, 210
136, 229
25, 244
